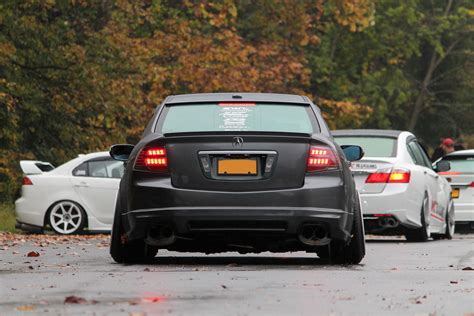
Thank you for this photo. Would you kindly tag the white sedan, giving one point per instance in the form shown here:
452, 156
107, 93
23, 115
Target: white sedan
77, 195
400, 191
461, 179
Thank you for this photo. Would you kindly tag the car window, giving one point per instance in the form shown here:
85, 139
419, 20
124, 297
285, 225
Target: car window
372, 146
463, 164
114, 168
417, 154
219, 117
100, 169
424, 156
81, 170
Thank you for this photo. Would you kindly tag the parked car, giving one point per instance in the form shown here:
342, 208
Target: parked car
77, 195
461, 179
400, 191
243, 172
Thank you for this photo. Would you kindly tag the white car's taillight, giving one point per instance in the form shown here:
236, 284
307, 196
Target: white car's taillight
397, 175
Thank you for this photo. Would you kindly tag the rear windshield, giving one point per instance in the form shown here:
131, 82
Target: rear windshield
237, 117
461, 164
372, 146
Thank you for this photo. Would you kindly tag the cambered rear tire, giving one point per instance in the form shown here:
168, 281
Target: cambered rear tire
128, 252
422, 233
450, 224
352, 252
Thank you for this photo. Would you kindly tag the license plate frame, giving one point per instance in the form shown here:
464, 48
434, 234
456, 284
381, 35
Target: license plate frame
237, 167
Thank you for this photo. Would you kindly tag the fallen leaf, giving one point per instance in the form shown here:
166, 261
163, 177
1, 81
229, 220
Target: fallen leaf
468, 269
453, 282
223, 286
33, 254
74, 300
25, 308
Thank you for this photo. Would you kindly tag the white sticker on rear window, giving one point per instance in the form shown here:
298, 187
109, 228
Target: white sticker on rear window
235, 118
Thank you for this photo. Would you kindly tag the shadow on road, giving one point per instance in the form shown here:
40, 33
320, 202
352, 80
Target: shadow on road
236, 261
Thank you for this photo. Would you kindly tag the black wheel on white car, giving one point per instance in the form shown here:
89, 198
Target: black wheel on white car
67, 218
422, 233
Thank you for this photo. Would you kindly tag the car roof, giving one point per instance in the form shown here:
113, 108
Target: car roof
237, 97
466, 152
367, 132
94, 154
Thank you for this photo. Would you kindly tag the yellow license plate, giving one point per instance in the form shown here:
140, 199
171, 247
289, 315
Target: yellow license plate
455, 193
237, 166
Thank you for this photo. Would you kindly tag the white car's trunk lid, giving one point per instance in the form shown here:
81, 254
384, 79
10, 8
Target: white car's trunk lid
363, 168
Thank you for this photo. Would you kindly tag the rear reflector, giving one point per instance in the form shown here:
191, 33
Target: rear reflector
395, 176
152, 158
321, 158
26, 181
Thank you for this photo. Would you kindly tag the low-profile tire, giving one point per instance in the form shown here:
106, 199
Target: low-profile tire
422, 233
128, 252
450, 224
354, 251
67, 218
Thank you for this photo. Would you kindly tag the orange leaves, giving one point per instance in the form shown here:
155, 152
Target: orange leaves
344, 114
355, 14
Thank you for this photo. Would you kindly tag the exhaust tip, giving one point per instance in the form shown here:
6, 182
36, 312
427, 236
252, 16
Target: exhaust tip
160, 236
313, 235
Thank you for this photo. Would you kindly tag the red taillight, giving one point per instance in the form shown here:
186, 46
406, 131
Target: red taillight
393, 176
152, 158
472, 184
321, 158
26, 181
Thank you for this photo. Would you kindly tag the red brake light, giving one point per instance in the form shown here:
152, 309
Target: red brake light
472, 184
153, 158
395, 176
321, 158
378, 177
26, 181
236, 104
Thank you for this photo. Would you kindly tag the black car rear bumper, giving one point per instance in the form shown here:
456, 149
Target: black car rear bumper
189, 220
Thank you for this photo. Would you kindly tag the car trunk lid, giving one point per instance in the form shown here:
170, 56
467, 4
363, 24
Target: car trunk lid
237, 162
363, 168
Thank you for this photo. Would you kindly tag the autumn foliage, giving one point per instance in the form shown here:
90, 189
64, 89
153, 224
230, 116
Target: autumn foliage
77, 76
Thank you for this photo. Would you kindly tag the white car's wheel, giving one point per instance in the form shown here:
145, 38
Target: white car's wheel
450, 224
67, 218
424, 232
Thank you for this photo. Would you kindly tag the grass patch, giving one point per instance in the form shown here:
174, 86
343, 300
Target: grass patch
7, 217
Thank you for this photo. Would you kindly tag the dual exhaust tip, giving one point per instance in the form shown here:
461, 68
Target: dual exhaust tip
162, 235
313, 235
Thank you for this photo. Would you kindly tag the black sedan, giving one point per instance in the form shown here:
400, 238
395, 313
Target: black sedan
244, 172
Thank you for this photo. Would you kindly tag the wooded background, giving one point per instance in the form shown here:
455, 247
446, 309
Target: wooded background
77, 76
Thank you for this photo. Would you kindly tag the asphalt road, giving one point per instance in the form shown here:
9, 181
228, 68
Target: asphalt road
75, 275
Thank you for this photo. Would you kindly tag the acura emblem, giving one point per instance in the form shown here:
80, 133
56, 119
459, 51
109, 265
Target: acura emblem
237, 141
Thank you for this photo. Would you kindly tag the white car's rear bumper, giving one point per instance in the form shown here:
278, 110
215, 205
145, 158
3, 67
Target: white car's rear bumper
394, 200
463, 212
29, 213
